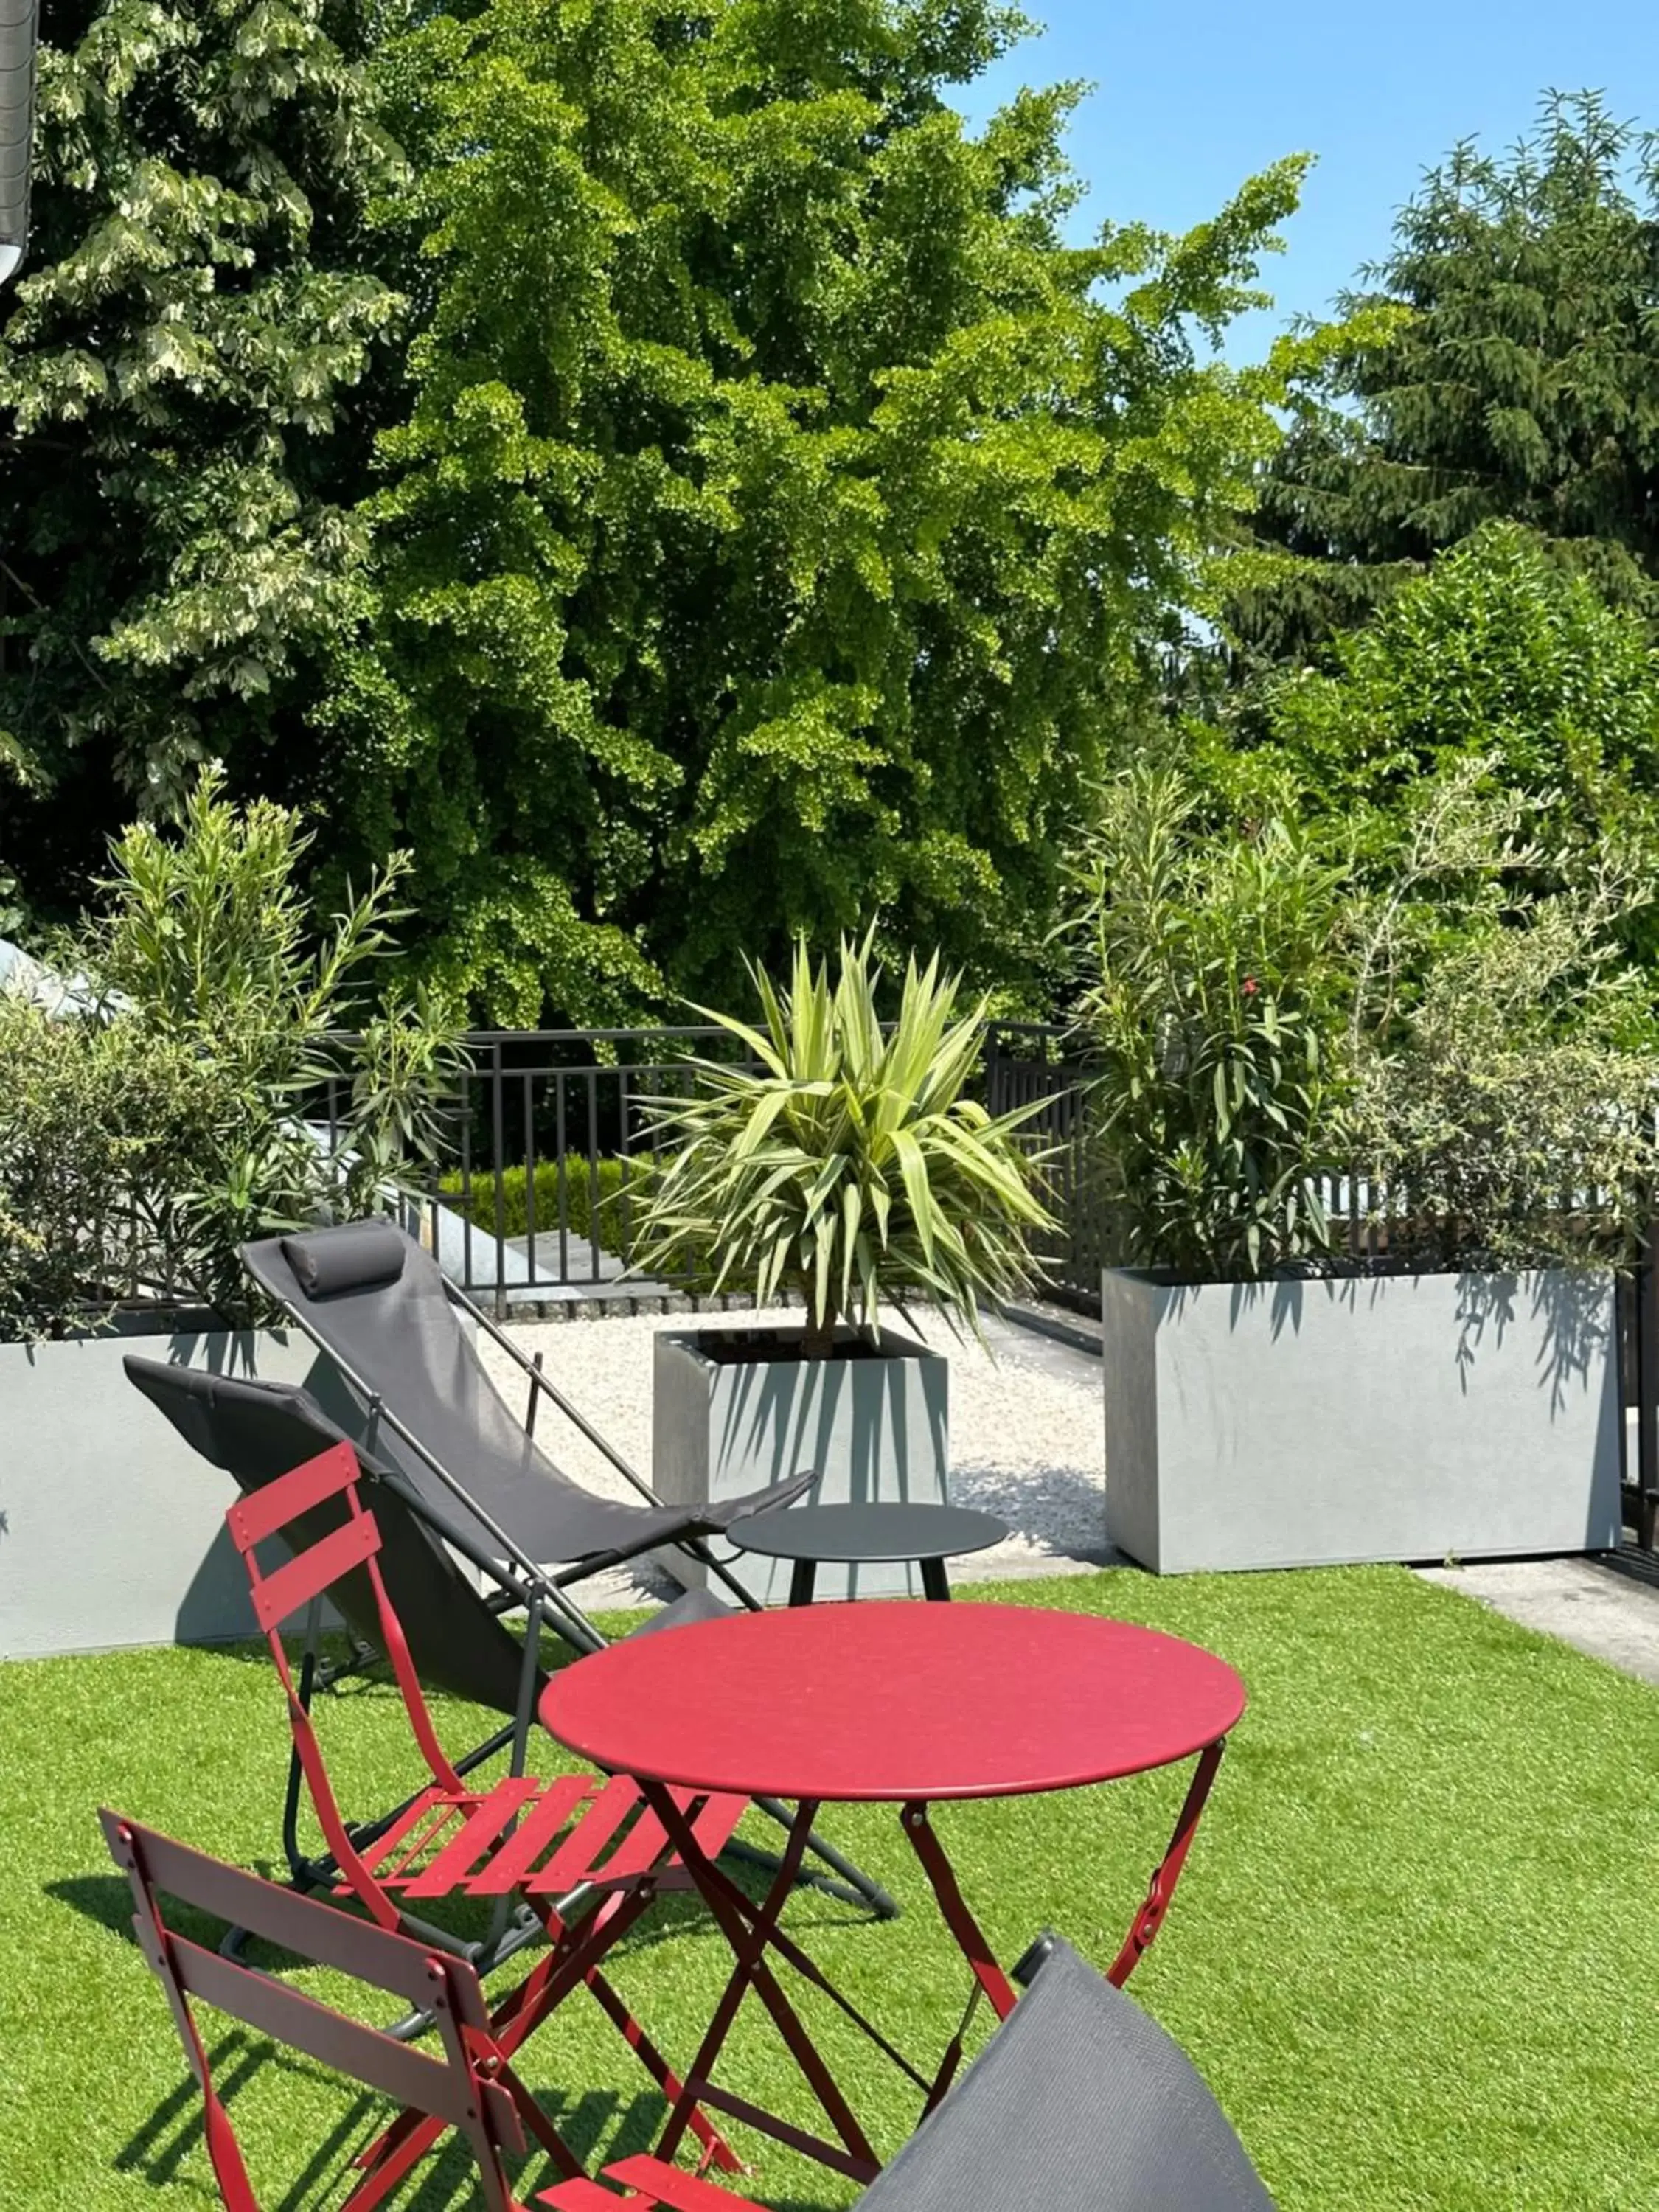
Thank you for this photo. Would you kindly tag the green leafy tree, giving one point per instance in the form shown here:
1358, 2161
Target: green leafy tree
1215, 984
1519, 380
1497, 652
320, 1082
183, 399
1505, 1083
786, 520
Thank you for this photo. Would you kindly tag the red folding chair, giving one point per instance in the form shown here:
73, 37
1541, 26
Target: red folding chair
583, 1852
473, 2088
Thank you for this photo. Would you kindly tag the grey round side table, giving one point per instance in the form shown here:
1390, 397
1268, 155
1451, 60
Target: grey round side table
866, 1535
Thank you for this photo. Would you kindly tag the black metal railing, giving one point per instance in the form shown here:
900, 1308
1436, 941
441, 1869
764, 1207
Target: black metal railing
553, 1148
1026, 1065
550, 1156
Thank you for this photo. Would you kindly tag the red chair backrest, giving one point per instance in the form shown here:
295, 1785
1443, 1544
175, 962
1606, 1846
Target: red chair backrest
456, 2088
307, 1574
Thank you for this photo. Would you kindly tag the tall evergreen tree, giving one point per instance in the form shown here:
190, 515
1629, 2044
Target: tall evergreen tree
185, 426
1520, 382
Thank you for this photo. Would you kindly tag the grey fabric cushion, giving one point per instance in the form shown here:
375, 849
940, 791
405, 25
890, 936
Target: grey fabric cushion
1079, 2103
359, 1256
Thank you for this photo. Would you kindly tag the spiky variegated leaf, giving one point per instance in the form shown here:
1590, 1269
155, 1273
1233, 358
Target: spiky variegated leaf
847, 1165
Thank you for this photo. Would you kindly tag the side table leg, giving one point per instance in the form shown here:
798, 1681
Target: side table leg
935, 1584
803, 1582
1167, 1874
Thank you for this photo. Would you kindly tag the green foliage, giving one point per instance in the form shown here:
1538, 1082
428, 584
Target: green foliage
1453, 1032
785, 518
102, 1125
1522, 382
617, 1232
223, 1027
185, 382
1507, 1085
1495, 651
1212, 1011
848, 1166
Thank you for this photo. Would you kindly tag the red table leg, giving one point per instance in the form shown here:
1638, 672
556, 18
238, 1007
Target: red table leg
970, 1937
749, 1931
1167, 1874
958, 1919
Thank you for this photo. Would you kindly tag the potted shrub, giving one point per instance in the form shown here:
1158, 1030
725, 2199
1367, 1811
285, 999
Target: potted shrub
1447, 1063
149, 1121
847, 1167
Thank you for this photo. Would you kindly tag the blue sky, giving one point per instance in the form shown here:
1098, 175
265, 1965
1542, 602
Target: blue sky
1190, 98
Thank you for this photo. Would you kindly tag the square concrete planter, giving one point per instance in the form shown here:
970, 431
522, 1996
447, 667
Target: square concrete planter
1395, 1417
111, 1528
736, 1410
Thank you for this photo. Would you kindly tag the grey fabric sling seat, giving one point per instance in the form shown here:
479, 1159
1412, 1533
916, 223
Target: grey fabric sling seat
369, 1296
1079, 2103
255, 1430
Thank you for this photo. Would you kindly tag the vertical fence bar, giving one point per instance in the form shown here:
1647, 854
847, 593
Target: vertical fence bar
1647, 1388
498, 1145
530, 1172
466, 1180
624, 1147
594, 1274
560, 1173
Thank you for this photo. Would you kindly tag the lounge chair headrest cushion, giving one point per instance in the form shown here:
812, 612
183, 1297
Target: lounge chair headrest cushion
359, 1256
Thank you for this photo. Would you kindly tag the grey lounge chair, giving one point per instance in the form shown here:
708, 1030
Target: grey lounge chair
255, 1430
381, 1307
1079, 2103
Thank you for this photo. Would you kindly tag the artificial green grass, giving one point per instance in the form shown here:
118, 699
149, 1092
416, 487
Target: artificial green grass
1416, 1950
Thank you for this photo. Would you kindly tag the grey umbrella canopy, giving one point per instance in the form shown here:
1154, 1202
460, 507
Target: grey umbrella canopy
19, 27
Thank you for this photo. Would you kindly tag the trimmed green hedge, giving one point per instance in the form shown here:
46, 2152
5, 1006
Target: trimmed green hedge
578, 1188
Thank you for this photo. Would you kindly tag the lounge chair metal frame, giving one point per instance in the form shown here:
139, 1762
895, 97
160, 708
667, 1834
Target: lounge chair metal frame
519, 1583
518, 1574
516, 1571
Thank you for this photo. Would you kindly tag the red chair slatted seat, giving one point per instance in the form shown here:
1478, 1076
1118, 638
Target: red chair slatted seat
650, 2183
554, 1844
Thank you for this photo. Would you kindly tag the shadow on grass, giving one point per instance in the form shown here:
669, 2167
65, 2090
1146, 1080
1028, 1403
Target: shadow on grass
593, 2123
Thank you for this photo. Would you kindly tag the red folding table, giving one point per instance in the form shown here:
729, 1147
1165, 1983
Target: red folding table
906, 1705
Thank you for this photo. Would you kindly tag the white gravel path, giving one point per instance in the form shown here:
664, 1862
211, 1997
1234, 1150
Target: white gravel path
1027, 1439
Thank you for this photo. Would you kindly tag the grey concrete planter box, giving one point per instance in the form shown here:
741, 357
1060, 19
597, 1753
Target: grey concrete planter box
874, 1426
1395, 1417
111, 1528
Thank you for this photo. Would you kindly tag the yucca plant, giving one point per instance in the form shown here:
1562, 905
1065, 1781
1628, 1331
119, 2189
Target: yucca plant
845, 1165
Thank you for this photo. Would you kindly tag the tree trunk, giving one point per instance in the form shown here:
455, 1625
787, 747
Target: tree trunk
819, 1340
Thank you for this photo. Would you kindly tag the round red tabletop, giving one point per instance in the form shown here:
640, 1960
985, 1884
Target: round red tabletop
850, 1703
